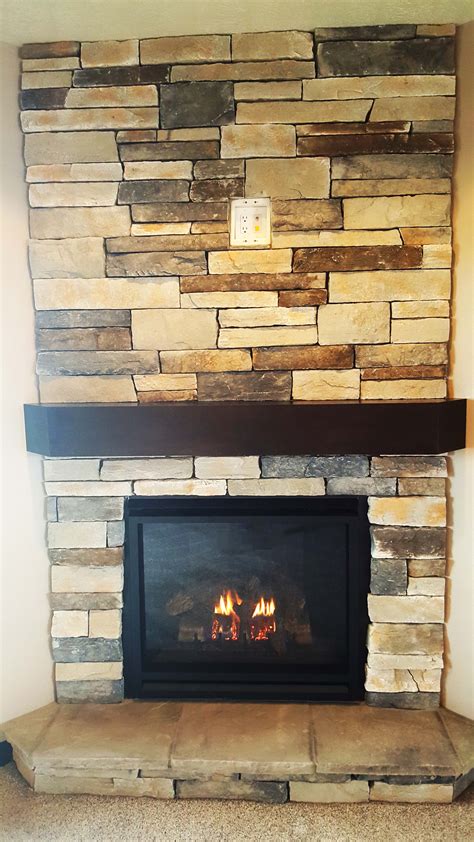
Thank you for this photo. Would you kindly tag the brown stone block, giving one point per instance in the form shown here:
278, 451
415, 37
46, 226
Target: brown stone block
156, 263
422, 567
302, 298
55, 49
409, 466
163, 242
402, 355
326, 259
216, 189
166, 395
403, 372
363, 144
245, 386
180, 212
156, 190
408, 542
310, 129
212, 360
136, 136
315, 357
180, 150
86, 339
93, 77
253, 281
433, 486
231, 168
108, 557
271, 792
245, 71
425, 236
306, 214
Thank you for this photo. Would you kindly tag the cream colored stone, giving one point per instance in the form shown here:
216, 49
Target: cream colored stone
25, 770
88, 489
293, 487
277, 70
89, 672
413, 108
390, 285
56, 223
394, 211
326, 385
106, 624
70, 579
184, 361
224, 467
108, 293
374, 390
354, 323
152, 229
158, 169
408, 511
261, 337
179, 330
53, 771
74, 172
73, 195
185, 48
379, 661
51, 79
267, 316
71, 469
109, 53
435, 256
394, 638
249, 260
265, 46
412, 793
159, 468
70, 148
390, 681
209, 133
229, 299
303, 112
118, 97
290, 178
95, 389
73, 119
389, 186
252, 91
420, 330
427, 681
66, 63
164, 382
378, 86
258, 141
70, 624
329, 793
426, 586
297, 239
406, 609
83, 257
65, 535
209, 227
420, 309
191, 487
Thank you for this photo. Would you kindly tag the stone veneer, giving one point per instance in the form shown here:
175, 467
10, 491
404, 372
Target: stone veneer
132, 151
407, 514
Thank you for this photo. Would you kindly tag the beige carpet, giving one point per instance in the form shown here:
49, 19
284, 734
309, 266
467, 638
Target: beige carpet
81, 818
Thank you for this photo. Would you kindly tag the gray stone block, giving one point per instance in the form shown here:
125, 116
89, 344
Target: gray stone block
43, 98
97, 362
411, 701
90, 508
73, 650
52, 509
82, 318
387, 32
245, 386
269, 792
156, 190
315, 466
85, 601
187, 104
367, 486
386, 58
103, 692
115, 533
388, 576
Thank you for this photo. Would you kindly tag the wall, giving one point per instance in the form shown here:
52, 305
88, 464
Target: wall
459, 684
26, 674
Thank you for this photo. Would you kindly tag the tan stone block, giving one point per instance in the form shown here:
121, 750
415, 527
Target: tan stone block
207, 133
432, 487
395, 211
289, 178
70, 148
406, 609
253, 281
151, 787
267, 90
409, 466
95, 389
71, 469
408, 511
121, 96
261, 337
158, 169
70, 624
267, 316
165, 382
258, 141
435, 256
191, 487
56, 223
83, 785
438, 30
390, 681
293, 487
51, 79
84, 488
109, 53
89, 672
184, 361
159, 468
72, 195
378, 87
77, 534
420, 309
174, 330
106, 624
70, 579
73, 172
354, 323
25, 770
224, 467
413, 108
390, 285
422, 236
245, 71
393, 638
67, 63
154, 229
329, 793
412, 793
260, 46
185, 48
426, 586
427, 681
403, 389
390, 186
426, 567
326, 385
230, 299
83, 257
100, 293
420, 330
401, 355
74, 119
303, 112
250, 260
296, 239
209, 227
379, 661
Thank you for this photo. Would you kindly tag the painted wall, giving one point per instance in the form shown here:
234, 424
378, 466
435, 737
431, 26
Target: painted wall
459, 675
25, 663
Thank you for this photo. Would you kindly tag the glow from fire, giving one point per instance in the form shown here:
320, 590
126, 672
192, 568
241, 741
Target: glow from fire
263, 622
229, 626
264, 609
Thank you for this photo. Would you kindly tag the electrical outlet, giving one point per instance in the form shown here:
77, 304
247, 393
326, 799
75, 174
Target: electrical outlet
250, 223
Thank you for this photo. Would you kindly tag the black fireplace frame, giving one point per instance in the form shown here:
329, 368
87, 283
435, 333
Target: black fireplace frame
334, 686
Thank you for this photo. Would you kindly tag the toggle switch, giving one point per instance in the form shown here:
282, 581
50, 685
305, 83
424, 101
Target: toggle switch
250, 222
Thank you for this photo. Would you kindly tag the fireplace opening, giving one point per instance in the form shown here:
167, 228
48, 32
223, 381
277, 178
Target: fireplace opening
246, 598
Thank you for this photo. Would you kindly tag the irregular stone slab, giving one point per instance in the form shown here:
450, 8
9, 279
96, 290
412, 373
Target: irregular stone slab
359, 485
433, 126
356, 128
461, 734
385, 32
90, 508
432, 487
79, 650
70, 258
77, 389
410, 662
170, 330
104, 691
119, 469
185, 48
56, 223
391, 638
436, 30
88, 557
43, 98
250, 738
53, 49
263, 316
315, 466
109, 53
289, 178
409, 466
260, 46
82, 534
420, 56
212, 360
219, 169
255, 337
421, 330
267, 90
249, 260
429, 586
250, 281
408, 542
407, 701
25, 732
409, 354
53, 79
254, 301
245, 386
326, 385
85, 671
90, 294
323, 259
77, 579
409, 511
122, 96
88, 118
97, 362
88, 489
388, 577
260, 141
414, 794
393, 166
414, 108
393, 211
92, 77
390, 186
72, 195
74, 172
71, 469
387, 285
306, 214
191, 487
306, 487
65, 63
115, 538
105, 624
302, 112
363, 87
222, 467
158, 169
216, 190
329, 793
288, 358
84, 602
270, 793
190, 211
302, 298
347, 144
70, 147
170, 151
85, 339
354, 323
190, 104
404, 372
437, 255
156, 263
405, 609
140, 787
207, 133
153, 191
246, 70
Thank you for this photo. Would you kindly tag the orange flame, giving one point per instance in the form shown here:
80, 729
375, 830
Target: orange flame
263, 620
226, 603
264, 609
225, 608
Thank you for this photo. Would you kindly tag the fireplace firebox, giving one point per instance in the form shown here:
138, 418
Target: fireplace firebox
246, 598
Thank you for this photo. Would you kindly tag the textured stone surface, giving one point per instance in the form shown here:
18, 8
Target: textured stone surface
422, 55
170, 151
361, 485
78, 389
91, 294
90, 508
302, 112
267, 316
212, 360
267, 90
268, 792
245, 386
252, 281
100, 691
388, 285
105, 624
406, 354
196, 104
69, 258
396, 211
358, 323
287, 358
265, 336
81, 119
70, 148
272, 45
364, 87
315, 466
76, 579
258, 141
120, 96
156, 263
306, 214
97, 362
86, 650
84, 534
346, 144
82, 318
393, 166
70, 624
192, 487
71, 469
408, 511
406, 609
133, 469
174, 329
386, 32
146, 191
408, 542
321, 259
262, 307
84, 339
56, 223
414, 794
404, 701
326, 385
92, 77
222, 467
109, 53
157, 169
393, 389
391, 187
388, 576
409, 466
91, 671
289, 178
52, 49
278, 487
395, 638
89, 489
420, 330
43, 98
214, 190
248, 260
245, 71
329, 793
185, 48
56, 79
414, 108
74, 172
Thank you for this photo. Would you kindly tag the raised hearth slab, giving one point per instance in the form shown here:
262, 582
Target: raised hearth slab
258, 752
244, 429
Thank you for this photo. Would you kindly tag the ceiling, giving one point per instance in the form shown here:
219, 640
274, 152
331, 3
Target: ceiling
23, 21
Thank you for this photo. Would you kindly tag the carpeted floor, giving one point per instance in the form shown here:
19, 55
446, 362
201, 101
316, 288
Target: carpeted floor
81, 818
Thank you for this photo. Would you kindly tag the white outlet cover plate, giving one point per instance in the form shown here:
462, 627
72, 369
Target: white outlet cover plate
250, 223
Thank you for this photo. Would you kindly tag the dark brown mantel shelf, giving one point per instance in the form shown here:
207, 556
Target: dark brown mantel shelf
234, 429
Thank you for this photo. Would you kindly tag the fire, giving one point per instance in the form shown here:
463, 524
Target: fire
263, 620
228, 628
264, 609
